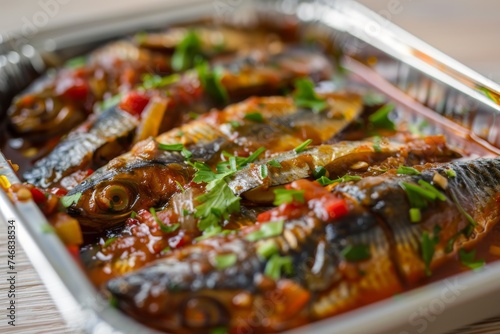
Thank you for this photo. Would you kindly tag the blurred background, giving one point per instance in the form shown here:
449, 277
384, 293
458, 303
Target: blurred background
466, 30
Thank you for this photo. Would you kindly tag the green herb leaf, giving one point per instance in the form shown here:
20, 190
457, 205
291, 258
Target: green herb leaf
255, 117
305, 96
266, 230
380, 119
133, 214
288, 196
468, 259
355, 253
319, 172
234, 124
407, 170
211, 82
69, 200
376, 144
263, 171
186, 52
303, 146
225, 260
277, 265
274, 163
176, 147
110, 102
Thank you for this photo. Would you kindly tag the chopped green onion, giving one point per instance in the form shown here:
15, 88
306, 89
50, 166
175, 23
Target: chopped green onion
407, 170
179, 185
110, 102
69, 200
468, 259
109, 241
267, 249
266, 230
255, 117
170, 147
417, 195
380, 119
152, 81
324, 181
305, 96
427, 186
288, 196
219, 330
274, 163
469, 218
303, 146
376, 144
225, 260
415, 215
428, 246
450, 173
277, 265
234, 124
355, 253
133, 214
263, 171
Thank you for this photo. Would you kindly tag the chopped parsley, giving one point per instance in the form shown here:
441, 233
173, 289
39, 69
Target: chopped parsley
469, 260
186, 52
380, 118
324, 181
407, 170
176, 147
305, 96
288, 196
266, 230
277, 265
355, 253
69, 200
225, 260
254, 117
274, 163
303, 146
211, 82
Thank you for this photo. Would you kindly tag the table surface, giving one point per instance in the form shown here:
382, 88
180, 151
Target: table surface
463, 29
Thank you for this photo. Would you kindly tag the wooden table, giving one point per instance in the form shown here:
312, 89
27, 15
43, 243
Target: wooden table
463, 29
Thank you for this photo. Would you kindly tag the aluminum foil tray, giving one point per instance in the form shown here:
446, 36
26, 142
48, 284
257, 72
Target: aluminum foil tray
426, 84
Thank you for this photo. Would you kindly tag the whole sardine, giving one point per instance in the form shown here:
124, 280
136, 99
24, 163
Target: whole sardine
289, 271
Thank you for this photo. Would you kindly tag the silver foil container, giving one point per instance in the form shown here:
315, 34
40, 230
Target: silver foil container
427, 84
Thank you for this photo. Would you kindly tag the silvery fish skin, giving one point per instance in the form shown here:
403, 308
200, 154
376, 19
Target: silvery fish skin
254, 74
282, 130
188, 291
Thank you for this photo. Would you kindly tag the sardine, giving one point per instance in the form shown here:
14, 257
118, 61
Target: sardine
254, 74
282, 129
226, 281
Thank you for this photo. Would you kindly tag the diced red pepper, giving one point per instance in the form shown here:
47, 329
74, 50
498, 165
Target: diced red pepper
90, 171
74, 251
58, 191
134, 103
73, 88
336, 207
38, 196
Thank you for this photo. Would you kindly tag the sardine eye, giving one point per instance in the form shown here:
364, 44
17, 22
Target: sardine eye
203, 312
114, 198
